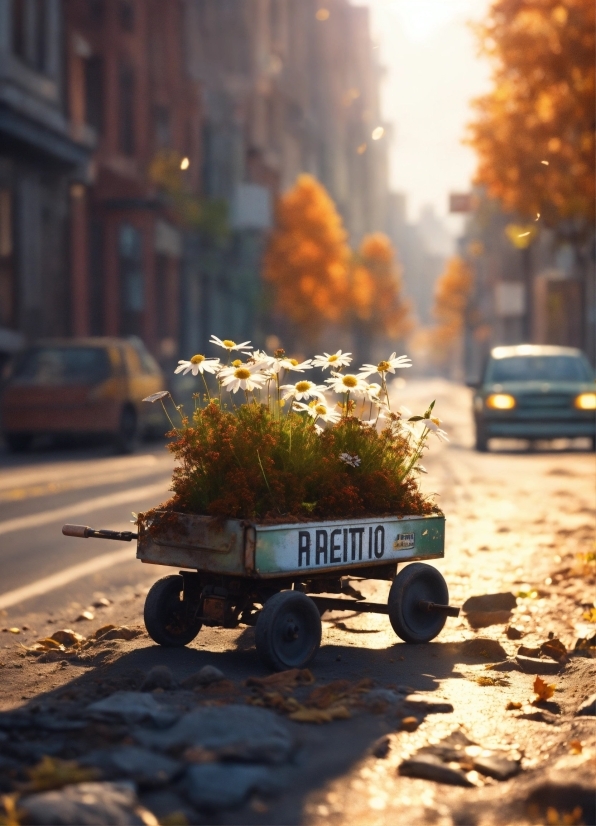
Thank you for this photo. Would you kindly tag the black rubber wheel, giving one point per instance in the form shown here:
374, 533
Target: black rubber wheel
481, 439
127, 439
18, 442
414, 583
165, 616
288, 631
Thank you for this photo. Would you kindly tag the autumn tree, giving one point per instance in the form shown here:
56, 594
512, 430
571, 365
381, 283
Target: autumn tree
534, 131
453, 293
378, 305
306, 261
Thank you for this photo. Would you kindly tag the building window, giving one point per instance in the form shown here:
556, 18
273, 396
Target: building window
29, 32
126, 15
94, 93
161, 116
126, 106
97, 12
132, 293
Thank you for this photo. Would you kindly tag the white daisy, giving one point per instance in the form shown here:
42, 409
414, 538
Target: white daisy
303, 390
388, 366
372, 392
433, 424
294, 364
318, 410
327, 361
347, 383
242, 378
350, 459
227, 344
198, 364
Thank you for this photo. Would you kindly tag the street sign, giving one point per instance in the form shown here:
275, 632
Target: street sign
460, 202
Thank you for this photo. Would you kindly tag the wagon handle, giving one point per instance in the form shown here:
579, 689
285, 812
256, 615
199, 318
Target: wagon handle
83, 532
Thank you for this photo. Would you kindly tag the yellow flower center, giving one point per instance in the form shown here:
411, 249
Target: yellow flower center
331, 359
349, 381
303, 386
293, 362
197, 359
383, 366
321, 409
228, 343
242, 373
236, 363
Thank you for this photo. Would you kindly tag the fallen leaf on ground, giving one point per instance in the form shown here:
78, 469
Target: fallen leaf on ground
67, 637
575, 747
53, 773
512, 705
283, 679
410, 723
122, 632
556, 818
49, 643
492, 680
320, 715
15, 630
542, 690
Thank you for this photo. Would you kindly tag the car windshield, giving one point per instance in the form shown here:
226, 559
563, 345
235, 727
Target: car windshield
55, 366
539, 368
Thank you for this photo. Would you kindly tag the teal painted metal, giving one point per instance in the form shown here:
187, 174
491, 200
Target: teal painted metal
243, 548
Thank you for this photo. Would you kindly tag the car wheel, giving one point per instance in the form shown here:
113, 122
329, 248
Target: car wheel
127, 438
18, 442
481, 439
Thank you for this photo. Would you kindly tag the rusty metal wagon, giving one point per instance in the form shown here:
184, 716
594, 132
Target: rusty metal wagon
281, 578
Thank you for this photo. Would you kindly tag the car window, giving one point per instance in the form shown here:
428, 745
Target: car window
147, 363
56, 366
538, 368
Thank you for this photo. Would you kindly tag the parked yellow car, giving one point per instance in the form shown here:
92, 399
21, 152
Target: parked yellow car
85, 386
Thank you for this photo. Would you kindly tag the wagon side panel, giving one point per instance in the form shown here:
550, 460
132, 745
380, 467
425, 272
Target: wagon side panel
342, 545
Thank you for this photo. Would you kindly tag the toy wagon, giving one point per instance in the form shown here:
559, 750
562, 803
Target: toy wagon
273, 576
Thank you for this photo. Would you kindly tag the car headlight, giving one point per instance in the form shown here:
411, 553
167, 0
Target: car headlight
500, 401
586, 401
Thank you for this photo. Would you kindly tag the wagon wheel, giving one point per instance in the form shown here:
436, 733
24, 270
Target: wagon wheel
415, 583
288, 631
166, 620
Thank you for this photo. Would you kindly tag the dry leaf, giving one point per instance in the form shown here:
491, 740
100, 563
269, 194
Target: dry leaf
492, 680
575, 747
319, 715
590, 615
410, 723
53, 773
327, 695
511, 706
542, 690
48, 644
15, 630
67, 637
554, 649
283, 679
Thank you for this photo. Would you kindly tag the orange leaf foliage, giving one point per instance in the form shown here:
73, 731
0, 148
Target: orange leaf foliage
452, 297
542, 690
306, 261
541, 108
376, 288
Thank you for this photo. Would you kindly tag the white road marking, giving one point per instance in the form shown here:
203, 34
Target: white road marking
35, 520
50, 583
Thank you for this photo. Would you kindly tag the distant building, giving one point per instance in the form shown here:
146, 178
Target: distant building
129, 85
43, 165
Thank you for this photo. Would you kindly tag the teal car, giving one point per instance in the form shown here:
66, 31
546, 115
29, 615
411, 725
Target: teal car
535, 392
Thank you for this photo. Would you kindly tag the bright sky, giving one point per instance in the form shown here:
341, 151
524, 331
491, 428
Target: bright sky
432, 72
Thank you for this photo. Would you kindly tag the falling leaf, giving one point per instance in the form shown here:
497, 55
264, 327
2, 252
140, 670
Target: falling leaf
542, 690
512, 705
53, 773
575, 747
